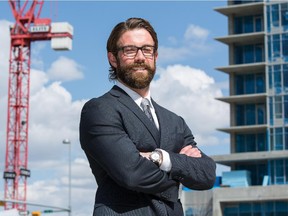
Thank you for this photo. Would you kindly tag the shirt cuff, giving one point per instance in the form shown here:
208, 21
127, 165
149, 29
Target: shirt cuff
166, 163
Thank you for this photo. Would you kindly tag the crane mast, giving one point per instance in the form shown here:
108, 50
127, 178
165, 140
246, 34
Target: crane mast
28, 27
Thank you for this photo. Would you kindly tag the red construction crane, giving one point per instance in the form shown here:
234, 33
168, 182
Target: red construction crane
28, 27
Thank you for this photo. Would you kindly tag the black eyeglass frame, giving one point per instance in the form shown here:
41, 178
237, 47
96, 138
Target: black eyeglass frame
138, 48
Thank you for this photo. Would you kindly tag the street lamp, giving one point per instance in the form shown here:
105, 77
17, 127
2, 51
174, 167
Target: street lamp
67, 141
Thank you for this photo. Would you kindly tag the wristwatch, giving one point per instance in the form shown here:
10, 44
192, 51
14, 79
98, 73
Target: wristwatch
156, 157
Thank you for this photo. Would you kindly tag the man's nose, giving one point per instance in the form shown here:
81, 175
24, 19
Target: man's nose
139, 55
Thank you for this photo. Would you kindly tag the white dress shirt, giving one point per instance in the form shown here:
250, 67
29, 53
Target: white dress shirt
166, 163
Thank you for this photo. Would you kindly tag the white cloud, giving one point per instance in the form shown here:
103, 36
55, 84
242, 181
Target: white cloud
53, 117
36, 58
191, 93
54, 191
196, 33
65, 69
193, 43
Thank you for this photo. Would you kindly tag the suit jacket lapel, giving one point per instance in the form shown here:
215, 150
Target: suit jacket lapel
127, 101
163, 125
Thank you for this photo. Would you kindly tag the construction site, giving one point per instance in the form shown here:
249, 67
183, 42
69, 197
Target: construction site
249, 136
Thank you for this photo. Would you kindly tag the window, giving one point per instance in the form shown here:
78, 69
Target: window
258, 171
278, 107
259, 52
286, 143
260, 83
284, 15
268, 18
250, 142
249, 84
285, 77
276, 47
275, 15
260, 118
278, 170
286, 109
248, 24
278, 78
239, 84
250, 114
238, 25
279, 138
258, 24
248, 54
271, 110
285, 46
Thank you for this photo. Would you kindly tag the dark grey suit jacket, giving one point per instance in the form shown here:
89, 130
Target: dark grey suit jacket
113, 130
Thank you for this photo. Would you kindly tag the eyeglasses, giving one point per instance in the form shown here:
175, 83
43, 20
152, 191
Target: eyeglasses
131, 51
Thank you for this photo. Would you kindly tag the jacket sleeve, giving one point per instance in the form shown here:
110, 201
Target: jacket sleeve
194, 173
109, 148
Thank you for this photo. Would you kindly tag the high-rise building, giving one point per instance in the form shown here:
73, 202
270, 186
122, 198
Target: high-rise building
257, 43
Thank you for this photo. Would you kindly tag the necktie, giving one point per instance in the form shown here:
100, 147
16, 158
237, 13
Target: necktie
146, 108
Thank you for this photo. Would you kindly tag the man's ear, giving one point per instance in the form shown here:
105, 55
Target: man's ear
112, 59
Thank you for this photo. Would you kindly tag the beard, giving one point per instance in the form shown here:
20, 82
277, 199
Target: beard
136, 80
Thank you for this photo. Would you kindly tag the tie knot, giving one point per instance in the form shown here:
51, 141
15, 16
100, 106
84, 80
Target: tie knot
145, 102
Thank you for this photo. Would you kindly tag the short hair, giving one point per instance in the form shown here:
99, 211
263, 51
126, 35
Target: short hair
119, 30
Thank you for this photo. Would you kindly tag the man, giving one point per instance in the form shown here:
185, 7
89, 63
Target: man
139, 161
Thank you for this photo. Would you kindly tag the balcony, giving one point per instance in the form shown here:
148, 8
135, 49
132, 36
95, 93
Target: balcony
243, 68
242, 9
243, 39
231, 159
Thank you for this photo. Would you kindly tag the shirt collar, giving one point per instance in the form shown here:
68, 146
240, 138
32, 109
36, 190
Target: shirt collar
134, 95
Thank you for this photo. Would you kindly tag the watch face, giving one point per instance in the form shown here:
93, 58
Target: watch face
155, 156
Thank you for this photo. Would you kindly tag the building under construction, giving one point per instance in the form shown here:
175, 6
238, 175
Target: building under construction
257, 184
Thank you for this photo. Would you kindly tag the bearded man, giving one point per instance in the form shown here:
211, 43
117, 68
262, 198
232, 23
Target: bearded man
139, 152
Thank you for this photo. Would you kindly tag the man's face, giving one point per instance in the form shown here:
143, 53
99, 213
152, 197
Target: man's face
136, 72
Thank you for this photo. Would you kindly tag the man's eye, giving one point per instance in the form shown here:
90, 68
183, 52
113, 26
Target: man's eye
130, 49
147, 49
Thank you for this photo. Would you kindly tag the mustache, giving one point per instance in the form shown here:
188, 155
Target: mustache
145, 66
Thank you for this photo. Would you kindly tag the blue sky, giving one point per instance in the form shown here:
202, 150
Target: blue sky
62, 81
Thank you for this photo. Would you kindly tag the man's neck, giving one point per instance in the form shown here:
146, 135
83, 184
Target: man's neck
142, 92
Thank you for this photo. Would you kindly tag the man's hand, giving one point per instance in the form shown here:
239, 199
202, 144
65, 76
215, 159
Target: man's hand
190, 151
145, 154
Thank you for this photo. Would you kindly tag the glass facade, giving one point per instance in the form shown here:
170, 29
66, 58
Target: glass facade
273, 111
277, 17
258, 76
276, 208
277, 58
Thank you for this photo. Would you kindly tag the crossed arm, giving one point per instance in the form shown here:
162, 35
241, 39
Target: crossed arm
190, 151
